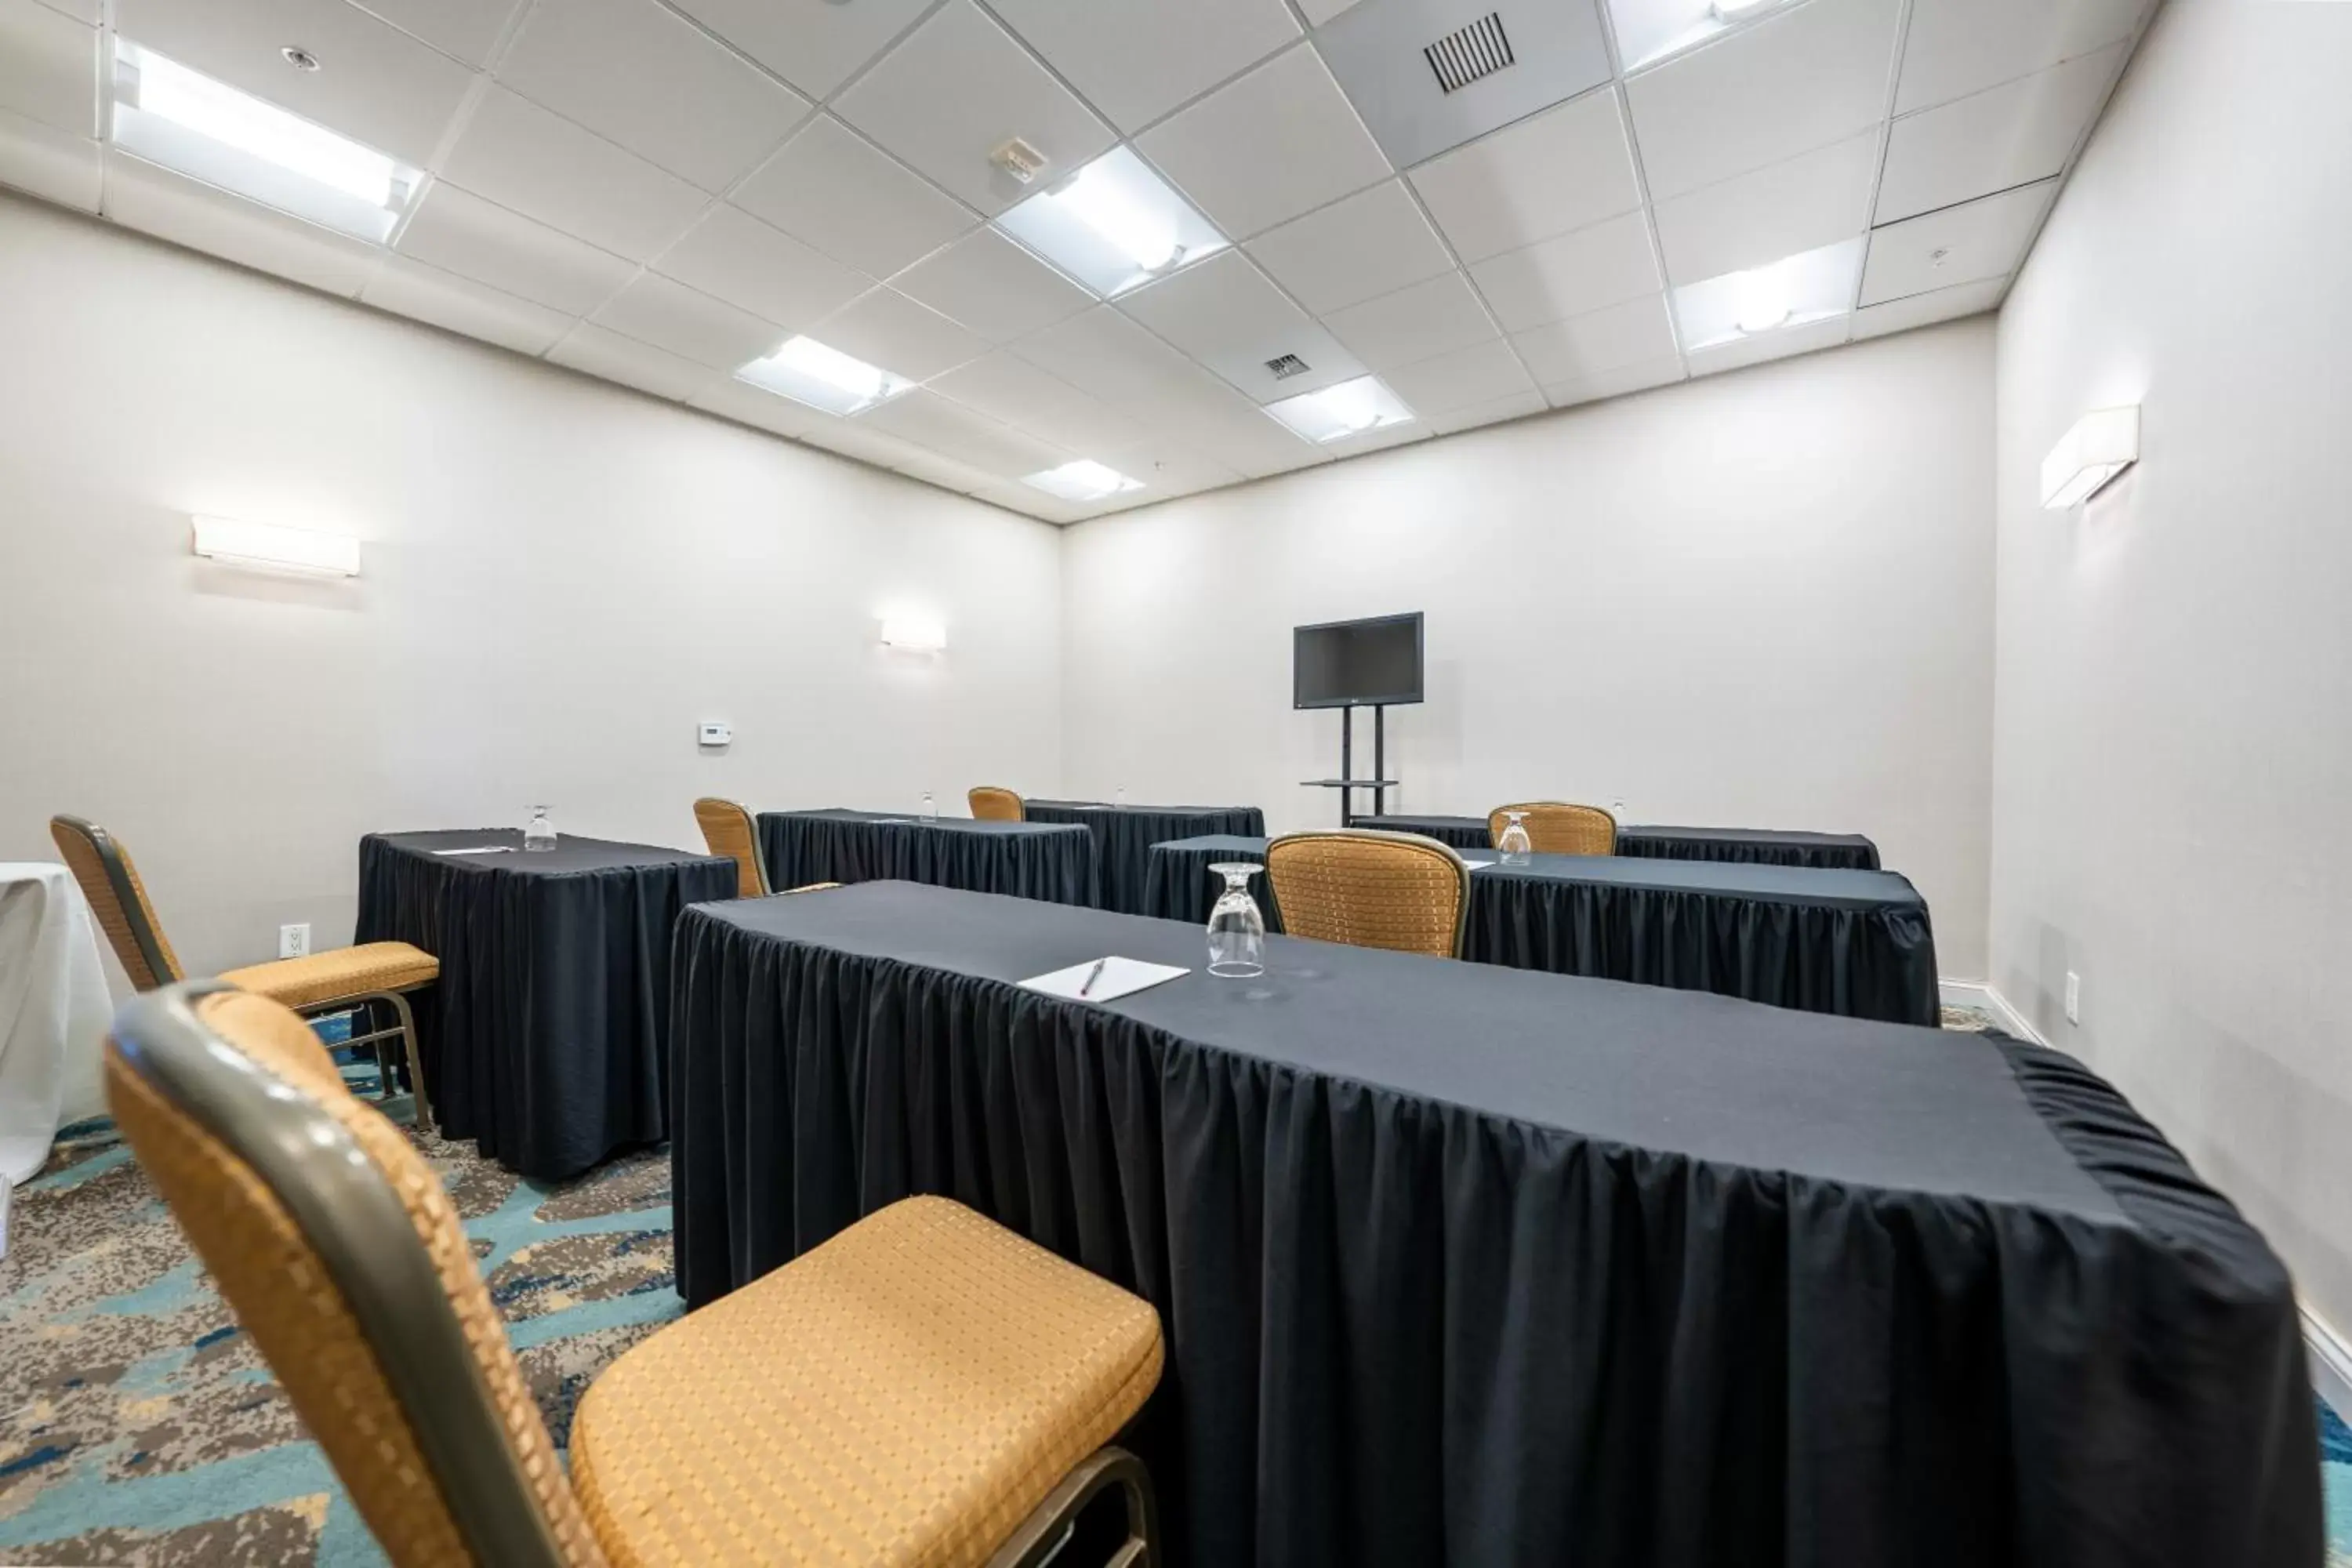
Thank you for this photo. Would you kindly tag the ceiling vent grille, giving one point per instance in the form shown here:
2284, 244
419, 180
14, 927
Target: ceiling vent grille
1284, 366
1470, 53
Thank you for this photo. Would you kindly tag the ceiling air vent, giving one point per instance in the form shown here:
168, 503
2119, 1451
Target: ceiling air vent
1284, 366
1470, 53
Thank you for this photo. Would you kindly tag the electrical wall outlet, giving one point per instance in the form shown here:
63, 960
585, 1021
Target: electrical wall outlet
2074, 997
294, 942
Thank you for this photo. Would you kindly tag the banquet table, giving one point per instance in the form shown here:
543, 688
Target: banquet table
1055, 861
1740, 846
547, 1038
1460, 1265
1124, 835
1854, 942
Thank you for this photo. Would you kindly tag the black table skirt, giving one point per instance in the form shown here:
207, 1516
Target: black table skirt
1027, 860
547, 1038
1852, 943
1738, 846
1124, 835
1485, 1267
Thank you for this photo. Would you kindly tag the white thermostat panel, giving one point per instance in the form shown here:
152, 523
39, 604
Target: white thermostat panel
717, 734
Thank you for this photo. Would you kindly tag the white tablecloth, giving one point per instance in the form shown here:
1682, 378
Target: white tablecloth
54, 1010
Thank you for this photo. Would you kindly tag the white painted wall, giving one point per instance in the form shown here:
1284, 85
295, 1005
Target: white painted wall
1762, 599
2173, 764
562, 579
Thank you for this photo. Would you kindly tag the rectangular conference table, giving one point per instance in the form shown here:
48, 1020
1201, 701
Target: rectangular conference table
1461, 1265
1054, 861
1853, 942
1124, 835
547, 1038
1740, 846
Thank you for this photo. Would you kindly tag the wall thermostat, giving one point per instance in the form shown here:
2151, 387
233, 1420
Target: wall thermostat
716, 734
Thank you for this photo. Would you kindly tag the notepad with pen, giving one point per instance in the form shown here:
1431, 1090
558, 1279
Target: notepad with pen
1103, 979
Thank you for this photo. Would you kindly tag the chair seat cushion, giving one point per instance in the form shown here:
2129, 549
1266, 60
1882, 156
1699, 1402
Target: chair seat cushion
342, 971
907, 1393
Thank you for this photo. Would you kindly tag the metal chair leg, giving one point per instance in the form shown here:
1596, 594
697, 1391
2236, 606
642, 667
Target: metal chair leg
406, 1032
1050, 1524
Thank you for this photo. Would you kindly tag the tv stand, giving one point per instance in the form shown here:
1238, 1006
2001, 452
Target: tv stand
1346, 783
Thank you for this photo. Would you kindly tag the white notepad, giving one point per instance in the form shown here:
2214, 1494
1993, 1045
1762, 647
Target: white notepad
490, 849
1120, 977
1476, 865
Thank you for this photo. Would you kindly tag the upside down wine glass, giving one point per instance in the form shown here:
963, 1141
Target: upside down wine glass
1513, 845
539, 833
1237, 929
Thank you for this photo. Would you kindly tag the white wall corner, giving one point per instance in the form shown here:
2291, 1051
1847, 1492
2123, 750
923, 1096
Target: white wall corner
1979, 994
2331, 1363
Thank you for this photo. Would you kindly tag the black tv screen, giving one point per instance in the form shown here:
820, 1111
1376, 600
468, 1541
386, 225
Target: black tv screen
1343, 663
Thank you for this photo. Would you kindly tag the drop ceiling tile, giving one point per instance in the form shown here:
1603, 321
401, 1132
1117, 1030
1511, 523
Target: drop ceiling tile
1168, 468
1415, 324
1225, 314
830, 189
79, 10
1599, 341
1137, 59
1009, 388
964, 434
609, 355
993, 287
1983, 238
376, 84
443, 300
815, 44
1782, 344
1484, 372
1267, 147
747, 404
889, 330
1959, 46
1814, 199
1519, 406
1802, 79
1382, 53
689, 323
49, 68
1031, 502
158, 202
541, 165
734, 256
1212, 419
1107, 356
1318, 12
946, 473
470, 29
1614, 383
624, 68
458, 232
1372, 244
1379, 440
1923, 310
1565, 169
1571, 275
2005, 136
49, 163
957, 90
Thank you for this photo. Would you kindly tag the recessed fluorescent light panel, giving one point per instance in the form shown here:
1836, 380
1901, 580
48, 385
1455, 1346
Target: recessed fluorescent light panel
169, 115
808, 372
271, 549
1113, 225
2101, 443
1649, 30
1083, 480
1809, 287
1350, 409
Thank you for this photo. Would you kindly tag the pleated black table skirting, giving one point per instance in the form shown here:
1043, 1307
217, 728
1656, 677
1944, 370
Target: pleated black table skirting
1024, 859
1464, 1265
1739, 845
547, 1038
1124, 835
1853, 942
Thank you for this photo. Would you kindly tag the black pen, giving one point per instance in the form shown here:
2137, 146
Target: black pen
1092, 976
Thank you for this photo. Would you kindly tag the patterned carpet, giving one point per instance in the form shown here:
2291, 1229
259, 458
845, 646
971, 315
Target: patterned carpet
139, 1426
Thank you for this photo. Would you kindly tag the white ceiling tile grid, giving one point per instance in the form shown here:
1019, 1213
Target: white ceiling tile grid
1492, 205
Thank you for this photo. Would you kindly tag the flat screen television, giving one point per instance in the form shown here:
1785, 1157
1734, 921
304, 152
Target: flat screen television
1344, 664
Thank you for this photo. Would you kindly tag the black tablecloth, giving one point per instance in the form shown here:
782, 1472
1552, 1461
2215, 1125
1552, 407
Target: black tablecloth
1124, 835
1478, 1267
1854, 942
547, 1038
1027, 859
1740, 846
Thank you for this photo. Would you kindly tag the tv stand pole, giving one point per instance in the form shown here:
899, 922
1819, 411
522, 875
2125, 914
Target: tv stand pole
1346, 783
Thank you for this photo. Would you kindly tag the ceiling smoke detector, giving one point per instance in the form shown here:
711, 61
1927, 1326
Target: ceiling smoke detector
301, 60
1019, 160
1470, 53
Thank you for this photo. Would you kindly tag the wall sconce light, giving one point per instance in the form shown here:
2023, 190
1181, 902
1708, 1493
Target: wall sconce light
2102, 445
271, 549
914, 634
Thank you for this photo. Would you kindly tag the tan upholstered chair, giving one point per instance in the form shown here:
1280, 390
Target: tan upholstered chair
728, 828
1556, 827
926, 1387
1396, 890
335, 981
990, 803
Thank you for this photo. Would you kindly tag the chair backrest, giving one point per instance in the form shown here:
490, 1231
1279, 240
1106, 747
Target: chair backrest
1556, 827
1396, 890
990, 803
117, 897
343, 1256
729, 829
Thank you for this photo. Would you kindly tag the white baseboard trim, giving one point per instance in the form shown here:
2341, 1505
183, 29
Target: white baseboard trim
1979, 994
2331, 1363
